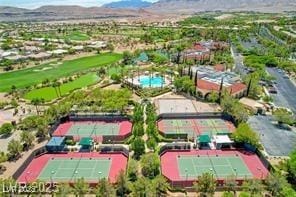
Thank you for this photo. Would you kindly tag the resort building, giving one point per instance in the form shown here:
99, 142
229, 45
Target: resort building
201, 51
208, 79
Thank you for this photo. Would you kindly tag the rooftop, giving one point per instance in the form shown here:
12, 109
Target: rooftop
175, 105
55, 141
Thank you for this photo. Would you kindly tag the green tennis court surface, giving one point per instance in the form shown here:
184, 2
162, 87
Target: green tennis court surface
193, 127
220, 167
178, 123
61, 169
210, 122
93, 129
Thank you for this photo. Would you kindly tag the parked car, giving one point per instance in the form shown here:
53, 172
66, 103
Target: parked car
272, 90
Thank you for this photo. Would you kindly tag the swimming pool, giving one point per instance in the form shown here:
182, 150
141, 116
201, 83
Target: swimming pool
148, 81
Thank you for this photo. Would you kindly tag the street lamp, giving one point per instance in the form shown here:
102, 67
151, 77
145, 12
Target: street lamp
211, 170
235, 170
51, 174
51, 180
99, 175
186, 175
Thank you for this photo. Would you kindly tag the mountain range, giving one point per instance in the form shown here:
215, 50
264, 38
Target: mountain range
193, 6
133, 4
162, 7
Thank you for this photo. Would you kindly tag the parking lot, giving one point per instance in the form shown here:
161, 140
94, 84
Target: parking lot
276, 141
286, 90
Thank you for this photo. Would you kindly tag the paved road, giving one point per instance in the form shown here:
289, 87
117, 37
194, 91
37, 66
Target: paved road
238, 61
276, 141
286, 96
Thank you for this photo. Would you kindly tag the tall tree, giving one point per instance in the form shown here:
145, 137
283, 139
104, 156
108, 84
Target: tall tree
6, 129
291, 164
150, 165
275, 184
80, 187
205, 185
42, 132
59, 88
138, 146
245, 134
161, 186
231, 184
14, 149
122, 187
132, 170
105, 189
254, 187
27, 138
140, 187
54, 85
36, 102
64, 190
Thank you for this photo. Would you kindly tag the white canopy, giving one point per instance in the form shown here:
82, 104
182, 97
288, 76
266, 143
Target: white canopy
222, 139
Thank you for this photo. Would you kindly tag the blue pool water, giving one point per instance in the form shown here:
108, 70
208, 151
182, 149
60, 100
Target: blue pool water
155, 82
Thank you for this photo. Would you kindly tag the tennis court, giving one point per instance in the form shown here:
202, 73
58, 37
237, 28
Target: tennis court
67, 170
220, 166
69, 167
94, 129
182, 168
195, 127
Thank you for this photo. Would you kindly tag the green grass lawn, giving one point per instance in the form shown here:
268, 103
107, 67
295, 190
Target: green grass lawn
118, 70
51, 71
49, 93
77, 36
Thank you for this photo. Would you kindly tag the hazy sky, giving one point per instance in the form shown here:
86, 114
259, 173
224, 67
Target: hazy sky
31, 4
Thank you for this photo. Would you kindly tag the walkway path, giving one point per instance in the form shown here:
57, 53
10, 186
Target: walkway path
145, 136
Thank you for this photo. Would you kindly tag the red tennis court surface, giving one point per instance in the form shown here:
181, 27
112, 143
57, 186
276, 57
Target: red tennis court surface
195, 127
119, 130
173, 166
42, 166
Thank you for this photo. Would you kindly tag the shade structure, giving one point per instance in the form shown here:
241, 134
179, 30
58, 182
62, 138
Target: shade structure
86, 141
204, 139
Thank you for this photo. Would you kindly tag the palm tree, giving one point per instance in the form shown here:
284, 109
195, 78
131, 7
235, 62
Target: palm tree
59, 88
205, 185
80, 187
54, 85
179, 49
36, 102
105, 189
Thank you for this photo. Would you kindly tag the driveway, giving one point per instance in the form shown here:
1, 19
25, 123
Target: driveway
276, 141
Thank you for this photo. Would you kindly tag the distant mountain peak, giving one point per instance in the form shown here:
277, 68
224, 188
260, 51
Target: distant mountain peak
194, 6
134, 4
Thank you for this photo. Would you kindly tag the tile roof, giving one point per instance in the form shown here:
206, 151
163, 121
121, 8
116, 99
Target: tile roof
207, 85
